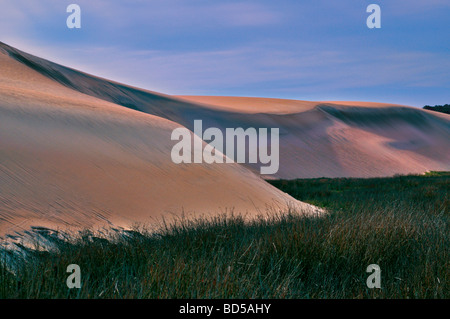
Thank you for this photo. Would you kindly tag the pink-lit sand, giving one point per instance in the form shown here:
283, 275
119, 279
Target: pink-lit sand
74, 153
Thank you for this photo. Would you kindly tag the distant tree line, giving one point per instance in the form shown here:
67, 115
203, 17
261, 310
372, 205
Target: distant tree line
439, 108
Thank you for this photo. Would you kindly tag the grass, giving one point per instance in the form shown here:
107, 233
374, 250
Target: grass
400, 223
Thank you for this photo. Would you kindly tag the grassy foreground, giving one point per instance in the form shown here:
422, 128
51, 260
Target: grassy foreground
399, 223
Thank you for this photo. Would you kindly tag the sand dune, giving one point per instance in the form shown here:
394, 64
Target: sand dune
69, 160
77, 150
345, 139
318, 139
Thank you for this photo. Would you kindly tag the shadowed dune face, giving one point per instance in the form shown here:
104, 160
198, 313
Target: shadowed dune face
366, 142
70, 161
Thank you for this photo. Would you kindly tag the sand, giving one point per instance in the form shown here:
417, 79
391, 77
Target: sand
80, 151
343, 139
70, 161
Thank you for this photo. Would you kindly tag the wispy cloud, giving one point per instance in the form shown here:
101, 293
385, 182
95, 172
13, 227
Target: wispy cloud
301, 68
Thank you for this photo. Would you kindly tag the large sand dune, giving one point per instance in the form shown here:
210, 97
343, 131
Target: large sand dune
77, 150
69, 161
318, 139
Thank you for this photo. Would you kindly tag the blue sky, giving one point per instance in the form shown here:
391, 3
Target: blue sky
307, 50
